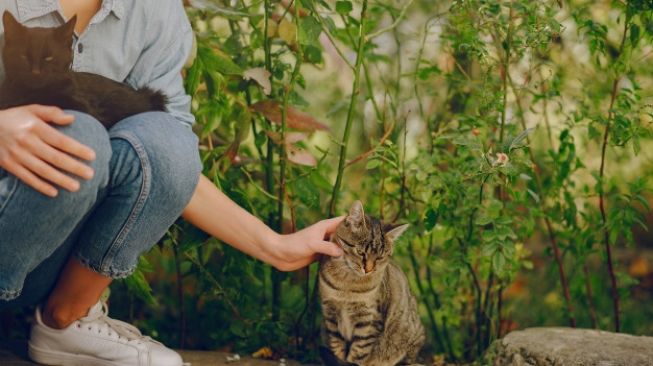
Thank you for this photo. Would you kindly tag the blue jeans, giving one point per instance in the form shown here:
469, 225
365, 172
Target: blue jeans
146, 171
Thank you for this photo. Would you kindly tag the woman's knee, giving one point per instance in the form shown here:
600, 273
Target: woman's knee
90, 132
168, 152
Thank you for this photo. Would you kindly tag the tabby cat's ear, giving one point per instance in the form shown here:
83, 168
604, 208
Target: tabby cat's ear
394, 233
67, 30
356, 215
10, 24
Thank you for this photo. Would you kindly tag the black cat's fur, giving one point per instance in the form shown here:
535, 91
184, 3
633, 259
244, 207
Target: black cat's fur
38, 63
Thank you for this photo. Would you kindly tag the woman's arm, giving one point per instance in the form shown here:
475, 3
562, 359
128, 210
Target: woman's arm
212, 211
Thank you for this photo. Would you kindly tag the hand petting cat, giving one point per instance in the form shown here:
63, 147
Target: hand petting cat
302, 248
37, 153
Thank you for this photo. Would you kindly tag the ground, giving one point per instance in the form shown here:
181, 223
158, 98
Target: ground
15, 354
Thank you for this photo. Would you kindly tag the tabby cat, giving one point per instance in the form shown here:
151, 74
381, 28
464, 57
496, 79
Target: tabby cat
370, 316
38, 63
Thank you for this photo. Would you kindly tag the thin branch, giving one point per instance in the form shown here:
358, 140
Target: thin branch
364, 155
606, 233
549, 226
352, 109
394, 24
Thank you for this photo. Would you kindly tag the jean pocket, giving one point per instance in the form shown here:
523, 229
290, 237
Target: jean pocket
8, 184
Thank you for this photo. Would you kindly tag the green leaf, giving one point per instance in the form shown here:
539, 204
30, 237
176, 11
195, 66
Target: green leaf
498, 262
194, 77
216, 61
344, 7
138, 285
309, 31
306, 192
372, 164
517, 141
319, 181
634, 35
430, 218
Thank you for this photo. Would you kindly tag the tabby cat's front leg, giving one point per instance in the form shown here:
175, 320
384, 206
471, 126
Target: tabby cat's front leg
334, 341
365, 336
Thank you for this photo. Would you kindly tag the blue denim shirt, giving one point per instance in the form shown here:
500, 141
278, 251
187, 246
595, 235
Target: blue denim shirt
140, 42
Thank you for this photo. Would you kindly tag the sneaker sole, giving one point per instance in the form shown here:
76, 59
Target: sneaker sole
54, 358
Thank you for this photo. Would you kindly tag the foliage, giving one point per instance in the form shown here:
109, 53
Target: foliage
495, 128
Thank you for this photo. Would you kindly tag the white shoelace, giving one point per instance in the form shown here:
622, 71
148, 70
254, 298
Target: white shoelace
107, 325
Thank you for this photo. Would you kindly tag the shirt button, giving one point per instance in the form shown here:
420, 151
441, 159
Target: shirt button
80, 48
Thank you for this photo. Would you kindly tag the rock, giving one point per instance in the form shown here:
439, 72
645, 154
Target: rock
571, 347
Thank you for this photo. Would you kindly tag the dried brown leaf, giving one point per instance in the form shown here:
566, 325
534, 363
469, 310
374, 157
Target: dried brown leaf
300, 156
295, 119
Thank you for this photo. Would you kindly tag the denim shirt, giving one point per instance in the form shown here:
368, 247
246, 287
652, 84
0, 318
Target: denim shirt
140, 42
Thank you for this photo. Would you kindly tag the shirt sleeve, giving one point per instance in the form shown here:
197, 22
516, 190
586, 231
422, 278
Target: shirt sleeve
164, 56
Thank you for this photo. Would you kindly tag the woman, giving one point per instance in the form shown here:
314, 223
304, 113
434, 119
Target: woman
79, 204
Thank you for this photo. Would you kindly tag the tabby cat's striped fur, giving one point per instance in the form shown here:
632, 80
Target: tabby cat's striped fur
369, 314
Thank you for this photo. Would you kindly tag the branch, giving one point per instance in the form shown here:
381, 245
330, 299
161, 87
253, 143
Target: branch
606, 234
370, 151
395, 24
352, 109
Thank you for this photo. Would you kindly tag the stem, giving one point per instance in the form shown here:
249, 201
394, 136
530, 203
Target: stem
403, 188
499, 311
549, 227
487, 305
545, 111
352, 108
275, 276
180, 298
506, 72
423, 295
606, 234
438, 305
283, 166
590, 297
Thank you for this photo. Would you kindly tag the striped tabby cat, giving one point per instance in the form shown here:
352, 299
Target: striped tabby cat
369, 314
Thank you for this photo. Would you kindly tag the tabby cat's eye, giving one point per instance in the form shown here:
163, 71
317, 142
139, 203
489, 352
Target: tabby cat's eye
49, 58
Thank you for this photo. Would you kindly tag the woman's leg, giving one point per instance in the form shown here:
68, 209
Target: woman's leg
154, 171
33, 226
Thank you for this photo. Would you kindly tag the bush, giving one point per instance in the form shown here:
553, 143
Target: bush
497, 129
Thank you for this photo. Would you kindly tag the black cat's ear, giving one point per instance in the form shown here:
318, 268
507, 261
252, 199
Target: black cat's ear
11, 25
68, 30
356, 215
393, 233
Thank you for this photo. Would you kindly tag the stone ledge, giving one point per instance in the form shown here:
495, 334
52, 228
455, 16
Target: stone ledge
572, 347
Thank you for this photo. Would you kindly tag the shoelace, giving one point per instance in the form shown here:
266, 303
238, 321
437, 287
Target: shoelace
130, 332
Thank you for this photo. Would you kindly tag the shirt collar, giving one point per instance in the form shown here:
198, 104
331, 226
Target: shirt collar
30, 9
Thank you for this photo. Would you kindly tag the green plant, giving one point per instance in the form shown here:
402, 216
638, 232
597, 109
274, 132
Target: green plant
479, 122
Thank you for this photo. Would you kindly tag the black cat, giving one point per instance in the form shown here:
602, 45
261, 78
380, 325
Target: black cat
38, 63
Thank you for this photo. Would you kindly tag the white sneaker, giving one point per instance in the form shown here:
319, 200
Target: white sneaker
97, 340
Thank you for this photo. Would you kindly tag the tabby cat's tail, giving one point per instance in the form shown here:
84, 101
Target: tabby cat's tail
157, 99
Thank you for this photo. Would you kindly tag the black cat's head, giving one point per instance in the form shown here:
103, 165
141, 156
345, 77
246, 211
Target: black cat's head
36, 51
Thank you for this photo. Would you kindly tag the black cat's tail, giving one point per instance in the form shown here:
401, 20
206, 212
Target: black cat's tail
157, 99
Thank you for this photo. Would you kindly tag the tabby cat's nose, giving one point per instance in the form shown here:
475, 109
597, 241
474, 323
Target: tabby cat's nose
369, 266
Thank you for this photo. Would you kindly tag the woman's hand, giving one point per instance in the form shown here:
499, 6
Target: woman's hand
38, 154
297, 250
216, 214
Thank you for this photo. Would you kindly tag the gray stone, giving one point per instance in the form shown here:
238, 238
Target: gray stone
572, 347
